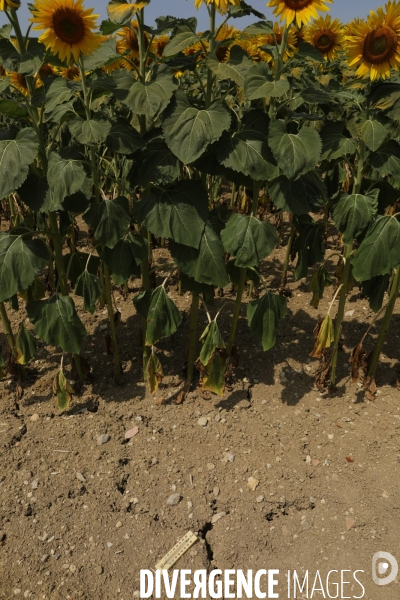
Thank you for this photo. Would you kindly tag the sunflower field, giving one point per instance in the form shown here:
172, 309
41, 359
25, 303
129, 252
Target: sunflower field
204, 144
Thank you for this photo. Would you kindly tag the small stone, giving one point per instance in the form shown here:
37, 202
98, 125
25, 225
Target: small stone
228, 457
118, 524
350, 522
385, 494
252, 483
174, 499
263, 402
210, 466
315, 462
154, 461
260, 498
72, 568
308, 460
349, 313
217, 418
103, 439
35, 417
131, 432
246, 380
189, 505
44, 558
103, 327
330, 436
216, 491
80, 477
109, 544
35, 484
17, 591
217, 517
202, 421
99, 570
243, 404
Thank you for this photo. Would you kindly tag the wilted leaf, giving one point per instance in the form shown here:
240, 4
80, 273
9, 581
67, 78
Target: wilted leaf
89, 287
212, 340
353, 213
213, 375
26, 345
154, 372
162, 316
324, 336
63, 390
263, 316
356, 360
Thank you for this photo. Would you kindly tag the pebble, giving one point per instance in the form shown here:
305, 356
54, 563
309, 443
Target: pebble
35, 484
109, 544
17, 591
315, 462
189, 505
103, 439
118, 524
330, 436
308, 460
263, 402
99, 570
174, 499
385, 494
228, 457
260, 498
44, 558
202, 421
349, 313
216, 491
252, 483
103, 327
80, 477
131, 432
217, 418
72, 568
35, 417
350, 522
217, 517
210, 466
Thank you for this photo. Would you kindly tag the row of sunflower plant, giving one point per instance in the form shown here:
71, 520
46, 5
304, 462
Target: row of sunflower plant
139, 129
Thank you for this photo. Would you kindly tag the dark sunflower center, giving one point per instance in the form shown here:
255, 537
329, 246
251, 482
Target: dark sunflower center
380, 45
133, 41
298, 4
324, 40
68, 25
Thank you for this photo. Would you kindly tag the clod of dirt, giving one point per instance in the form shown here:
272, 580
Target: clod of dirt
217, 517
350, 522
103, 439
174, 499
252, 482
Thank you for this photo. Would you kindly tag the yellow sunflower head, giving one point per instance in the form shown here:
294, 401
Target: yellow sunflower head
225, 37
299, 11
159, 44
373, 49
71, 73
129, 44
18, 81
221, 5
68, 27
6, 4
326, 35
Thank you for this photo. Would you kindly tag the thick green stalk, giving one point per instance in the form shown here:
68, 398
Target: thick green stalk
287, 257
10, 337
107, 286
394, 291
194, 313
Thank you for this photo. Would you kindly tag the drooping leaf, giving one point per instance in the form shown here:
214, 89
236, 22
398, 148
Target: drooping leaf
124, 259
58, 93
324, 336
89, 287
259, 83
189, 131
156, 164
21, 258
353, 213
212, 340
295, 154
65, 176
247, 151
178, 213
152, 98
184, 38
154, 372
373, 133
248, 239
213, 375
205, 265
77, 262
236, 68
122, 11
379, 252
375, 289
15, 157
26, 345
319, 281
263, 316
386, 160
298, 196
56, 321
310, 248
109, 220
162, 316
123, 139
62, 389
90, 133
12, 109
335, 144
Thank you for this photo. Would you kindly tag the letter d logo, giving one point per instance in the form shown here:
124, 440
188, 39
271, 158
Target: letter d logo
381, 561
